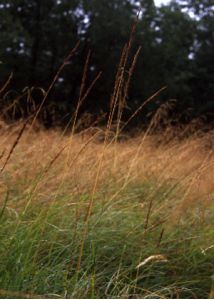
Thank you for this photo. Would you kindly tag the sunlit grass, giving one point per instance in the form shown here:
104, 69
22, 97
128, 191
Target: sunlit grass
79, 216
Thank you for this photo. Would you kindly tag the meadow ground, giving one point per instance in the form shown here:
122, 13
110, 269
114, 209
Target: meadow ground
88, 219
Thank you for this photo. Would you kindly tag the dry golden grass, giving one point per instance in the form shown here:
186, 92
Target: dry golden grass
73, 163
79, 212
137, 189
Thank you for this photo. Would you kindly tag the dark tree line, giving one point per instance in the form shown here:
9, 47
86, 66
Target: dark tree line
177, 52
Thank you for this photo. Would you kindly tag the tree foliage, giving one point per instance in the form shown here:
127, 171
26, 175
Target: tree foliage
177, 52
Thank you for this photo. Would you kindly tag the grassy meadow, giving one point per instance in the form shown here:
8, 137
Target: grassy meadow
85, 218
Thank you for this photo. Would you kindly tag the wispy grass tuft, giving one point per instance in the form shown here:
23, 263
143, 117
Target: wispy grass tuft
85, 218
150, 235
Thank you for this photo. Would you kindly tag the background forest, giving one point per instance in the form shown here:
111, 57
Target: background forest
177, 52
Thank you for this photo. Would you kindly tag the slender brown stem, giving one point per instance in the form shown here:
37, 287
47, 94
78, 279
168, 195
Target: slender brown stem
6, 83
65, 62
14, 145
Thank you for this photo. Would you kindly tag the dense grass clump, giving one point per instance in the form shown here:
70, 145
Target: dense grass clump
82, 219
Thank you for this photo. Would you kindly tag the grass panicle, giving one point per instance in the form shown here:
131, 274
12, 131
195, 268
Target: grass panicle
86, 215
